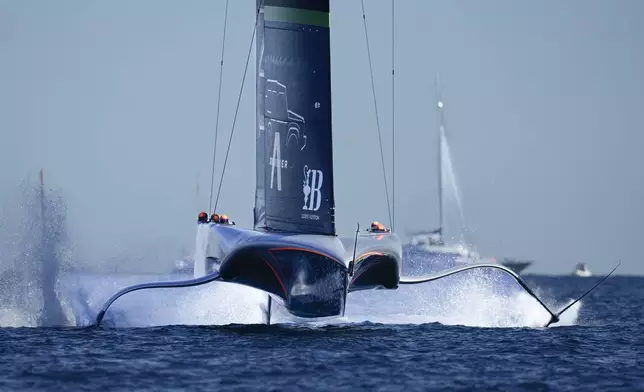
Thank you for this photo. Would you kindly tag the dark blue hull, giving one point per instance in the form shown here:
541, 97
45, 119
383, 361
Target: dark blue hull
309, 284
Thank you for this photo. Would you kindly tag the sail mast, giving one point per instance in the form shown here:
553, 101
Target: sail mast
439, 105
393, 118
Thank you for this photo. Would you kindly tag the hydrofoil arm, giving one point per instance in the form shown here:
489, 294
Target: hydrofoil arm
155, 285
554, 317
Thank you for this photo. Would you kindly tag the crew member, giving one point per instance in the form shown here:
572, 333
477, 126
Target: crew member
202, 218
227, 221
377, 227
221, 219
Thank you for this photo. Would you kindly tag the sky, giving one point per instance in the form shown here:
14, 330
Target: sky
543, 104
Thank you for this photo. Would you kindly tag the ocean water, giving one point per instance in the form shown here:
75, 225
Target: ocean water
458, 334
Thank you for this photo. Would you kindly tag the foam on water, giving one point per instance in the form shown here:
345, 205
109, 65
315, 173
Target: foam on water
469, 301
212, 304
223, 303
472, 300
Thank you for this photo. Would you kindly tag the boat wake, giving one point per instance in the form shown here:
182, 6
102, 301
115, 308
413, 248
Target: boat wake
210, 304
469, 302
474, 300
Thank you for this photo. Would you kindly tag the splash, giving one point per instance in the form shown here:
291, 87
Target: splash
32, 253
476, 299
473, 299
211, 304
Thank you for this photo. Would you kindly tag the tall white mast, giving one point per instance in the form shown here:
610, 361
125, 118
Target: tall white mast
439, 105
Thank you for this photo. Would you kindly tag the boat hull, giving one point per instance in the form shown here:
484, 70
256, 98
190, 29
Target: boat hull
516, 266
307, 283
306, 274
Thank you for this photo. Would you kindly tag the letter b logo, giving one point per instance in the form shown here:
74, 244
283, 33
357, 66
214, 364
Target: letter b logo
312, 195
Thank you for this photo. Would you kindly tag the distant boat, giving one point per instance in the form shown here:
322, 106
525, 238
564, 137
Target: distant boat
441, 255
184, 266
582, 270
432, 242
517, 266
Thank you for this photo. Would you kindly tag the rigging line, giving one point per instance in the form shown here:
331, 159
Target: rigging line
393, 120
241, 90
221, 71
373, 89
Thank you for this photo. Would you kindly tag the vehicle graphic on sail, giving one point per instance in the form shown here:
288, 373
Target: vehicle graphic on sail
281, 119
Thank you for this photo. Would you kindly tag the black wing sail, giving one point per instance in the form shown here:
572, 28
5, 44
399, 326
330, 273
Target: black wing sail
294, 185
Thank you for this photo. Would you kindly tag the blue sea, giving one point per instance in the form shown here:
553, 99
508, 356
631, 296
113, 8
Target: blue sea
461, 334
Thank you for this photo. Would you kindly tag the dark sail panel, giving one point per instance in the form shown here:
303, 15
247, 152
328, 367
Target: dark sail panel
294, 185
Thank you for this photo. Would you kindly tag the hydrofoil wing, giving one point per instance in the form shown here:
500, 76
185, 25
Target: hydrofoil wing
554, 316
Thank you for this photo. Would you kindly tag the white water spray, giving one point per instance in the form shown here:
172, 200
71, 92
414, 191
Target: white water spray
32, 253
211, 304
472, 299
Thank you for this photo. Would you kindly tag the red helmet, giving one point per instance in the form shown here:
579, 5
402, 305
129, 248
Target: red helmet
203, 217
214, 218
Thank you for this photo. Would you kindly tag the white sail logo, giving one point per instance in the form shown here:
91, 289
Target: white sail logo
276, 162
311, 188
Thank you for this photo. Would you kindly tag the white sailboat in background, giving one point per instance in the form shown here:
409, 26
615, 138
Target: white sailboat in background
440, 253
432, 243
